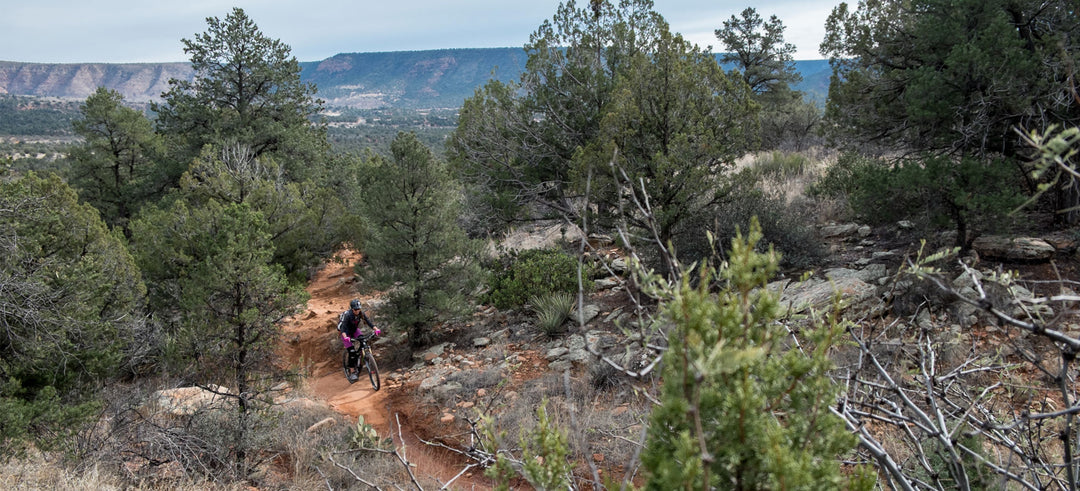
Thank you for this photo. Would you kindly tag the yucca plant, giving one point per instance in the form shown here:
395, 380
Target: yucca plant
552, 309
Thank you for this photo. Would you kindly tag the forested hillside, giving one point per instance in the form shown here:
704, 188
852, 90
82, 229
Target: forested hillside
617, 262
410, 79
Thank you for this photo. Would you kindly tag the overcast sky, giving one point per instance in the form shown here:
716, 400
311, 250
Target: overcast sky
129, 31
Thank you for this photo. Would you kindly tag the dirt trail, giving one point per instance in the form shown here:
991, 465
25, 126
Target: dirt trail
312, 344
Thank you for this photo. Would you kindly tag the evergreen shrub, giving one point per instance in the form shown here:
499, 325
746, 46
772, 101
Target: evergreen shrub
969, 194
535, 272
846, 176
784, 227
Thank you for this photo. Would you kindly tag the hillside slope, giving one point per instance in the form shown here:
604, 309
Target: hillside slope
428, 79
138, 82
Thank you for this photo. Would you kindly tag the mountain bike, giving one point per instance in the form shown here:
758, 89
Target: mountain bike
363, 352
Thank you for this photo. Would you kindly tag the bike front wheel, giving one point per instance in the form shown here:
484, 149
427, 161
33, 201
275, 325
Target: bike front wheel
372, 370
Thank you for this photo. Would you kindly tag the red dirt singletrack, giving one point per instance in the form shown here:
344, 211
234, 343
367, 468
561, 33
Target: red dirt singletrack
312, 344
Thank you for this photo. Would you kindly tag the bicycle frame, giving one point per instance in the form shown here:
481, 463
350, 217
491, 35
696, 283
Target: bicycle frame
363, 352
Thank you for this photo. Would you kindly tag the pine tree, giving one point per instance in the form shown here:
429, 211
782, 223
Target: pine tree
758, 50
675, 125
951, 75
518, 140
411, 203
114, 168
246, 91
760, 56
70, 310
211, 263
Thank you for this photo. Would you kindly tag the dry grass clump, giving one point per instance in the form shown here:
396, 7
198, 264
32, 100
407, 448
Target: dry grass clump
40, 472
789, 177
602, 424
364, 462
774, 188
295, 443
473, 380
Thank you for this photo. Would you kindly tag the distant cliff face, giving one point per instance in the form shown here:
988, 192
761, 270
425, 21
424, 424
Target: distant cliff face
138, 82
400, 79
407, 79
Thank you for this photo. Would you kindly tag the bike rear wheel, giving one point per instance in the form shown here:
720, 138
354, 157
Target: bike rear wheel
372, 370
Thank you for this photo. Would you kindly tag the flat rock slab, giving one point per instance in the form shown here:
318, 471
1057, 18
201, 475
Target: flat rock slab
1013, 248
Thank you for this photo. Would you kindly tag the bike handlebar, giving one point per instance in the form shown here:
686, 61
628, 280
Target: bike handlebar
363, 337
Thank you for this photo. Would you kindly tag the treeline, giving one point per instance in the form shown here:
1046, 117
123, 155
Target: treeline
32, 116
176, 245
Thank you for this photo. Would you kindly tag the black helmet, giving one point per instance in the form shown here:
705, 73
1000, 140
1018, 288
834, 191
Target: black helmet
354, 304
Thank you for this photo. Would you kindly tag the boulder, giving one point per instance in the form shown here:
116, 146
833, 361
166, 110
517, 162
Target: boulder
818, 294
576, 344
1013, 248
1062, 241
431, 353
839, 230
600, 240
555, 353
432, 381
588, 313
541, 236
618, 265
606, 283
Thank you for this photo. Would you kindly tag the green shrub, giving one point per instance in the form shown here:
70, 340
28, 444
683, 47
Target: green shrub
534, 273
940, 191
846, 177
730, 364
786, 228
545, 454
945, 468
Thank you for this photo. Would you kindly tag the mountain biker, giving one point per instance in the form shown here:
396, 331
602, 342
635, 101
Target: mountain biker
349, 327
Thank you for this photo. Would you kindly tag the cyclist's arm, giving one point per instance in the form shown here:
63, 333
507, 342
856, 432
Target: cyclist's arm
363, 315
